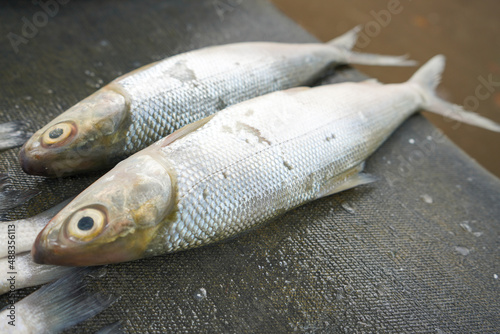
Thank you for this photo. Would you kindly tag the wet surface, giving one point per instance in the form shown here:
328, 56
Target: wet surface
465, 32
416, 251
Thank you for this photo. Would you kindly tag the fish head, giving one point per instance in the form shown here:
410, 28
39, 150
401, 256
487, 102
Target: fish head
113, 220
86, 137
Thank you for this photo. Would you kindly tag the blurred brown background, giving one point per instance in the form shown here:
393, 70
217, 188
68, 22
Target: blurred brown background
466, 32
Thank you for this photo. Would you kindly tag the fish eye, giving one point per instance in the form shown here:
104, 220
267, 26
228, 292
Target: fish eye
86, 224
58, 134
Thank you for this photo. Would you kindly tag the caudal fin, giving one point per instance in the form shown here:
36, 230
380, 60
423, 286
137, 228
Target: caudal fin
13, 134
346, 42
427, 78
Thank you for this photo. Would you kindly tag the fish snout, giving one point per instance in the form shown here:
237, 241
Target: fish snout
31, 163
38, 253
46, 250
47, 253
56, 163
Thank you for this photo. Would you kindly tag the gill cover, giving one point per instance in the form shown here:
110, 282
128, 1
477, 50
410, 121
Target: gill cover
114, 219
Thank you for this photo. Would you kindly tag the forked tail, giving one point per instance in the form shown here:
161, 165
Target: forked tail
426, 80
346, 42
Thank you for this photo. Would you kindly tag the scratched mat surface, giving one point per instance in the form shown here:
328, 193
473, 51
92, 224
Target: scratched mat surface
417, 251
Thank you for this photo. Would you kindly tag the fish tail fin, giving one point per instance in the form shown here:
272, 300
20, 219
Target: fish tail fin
64, 303
427, 78
13, 134
344, 43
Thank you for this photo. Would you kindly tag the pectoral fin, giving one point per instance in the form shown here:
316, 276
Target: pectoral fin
347, 180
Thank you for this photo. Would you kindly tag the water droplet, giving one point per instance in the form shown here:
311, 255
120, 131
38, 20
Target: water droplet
426, 198
411, 141
462, 250
495, 276
429, 137
347, 207
200, 294
466, 227
477, 234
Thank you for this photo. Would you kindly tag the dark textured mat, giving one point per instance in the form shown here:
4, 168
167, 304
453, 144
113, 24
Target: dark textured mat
417, 251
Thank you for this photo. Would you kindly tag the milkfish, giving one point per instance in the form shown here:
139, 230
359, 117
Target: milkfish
239, 168
54, 307
145, 105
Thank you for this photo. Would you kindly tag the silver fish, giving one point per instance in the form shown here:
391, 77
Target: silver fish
145, 105
242, 167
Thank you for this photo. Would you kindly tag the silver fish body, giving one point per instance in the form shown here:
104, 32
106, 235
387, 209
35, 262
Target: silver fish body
143, 106
244, 166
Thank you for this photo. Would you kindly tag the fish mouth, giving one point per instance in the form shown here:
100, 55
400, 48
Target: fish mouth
46, 251
57, 165
62, 256
32, 165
